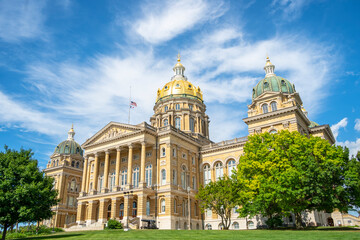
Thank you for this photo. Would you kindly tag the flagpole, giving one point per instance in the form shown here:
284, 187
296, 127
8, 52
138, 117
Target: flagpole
129, 106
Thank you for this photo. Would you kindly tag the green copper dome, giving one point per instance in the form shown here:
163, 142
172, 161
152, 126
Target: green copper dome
273, 84
313, 124
69, 146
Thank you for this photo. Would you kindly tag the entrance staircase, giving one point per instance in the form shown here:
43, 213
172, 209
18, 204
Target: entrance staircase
84, 227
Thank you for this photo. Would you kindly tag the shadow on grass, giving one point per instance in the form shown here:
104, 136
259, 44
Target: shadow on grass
336, 229
56, 236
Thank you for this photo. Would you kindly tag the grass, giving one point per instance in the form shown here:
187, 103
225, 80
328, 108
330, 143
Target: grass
328, 234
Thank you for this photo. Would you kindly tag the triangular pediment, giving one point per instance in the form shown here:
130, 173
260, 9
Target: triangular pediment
111, 131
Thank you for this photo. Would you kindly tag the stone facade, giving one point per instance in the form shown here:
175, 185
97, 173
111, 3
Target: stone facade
152, 171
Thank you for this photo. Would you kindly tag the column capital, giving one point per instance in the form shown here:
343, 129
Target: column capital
107, 151
96, 154
118, 149
143, 143
130, 146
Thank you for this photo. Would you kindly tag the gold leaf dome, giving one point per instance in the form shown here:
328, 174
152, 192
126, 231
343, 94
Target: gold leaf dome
179, 86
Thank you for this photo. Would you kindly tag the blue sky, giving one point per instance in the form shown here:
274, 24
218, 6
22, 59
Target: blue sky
64, 62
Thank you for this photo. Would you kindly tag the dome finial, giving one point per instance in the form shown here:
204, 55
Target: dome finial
71, 133
269, 67
179, 68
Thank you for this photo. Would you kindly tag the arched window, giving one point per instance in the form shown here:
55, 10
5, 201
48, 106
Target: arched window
166, 108
162, 205
163, 177
183, 177
194, 182
265, 108
148, 175
77, 164
123, 177
73, 163
166, 122
136, 177
220, 226
57, 162
112, 181
273, 106
121, 212
208, 227
236, 225
192, 127
273, 131
251, 225
177, 123
92, 167
174, 177
147, 207
163, 152
219, 170
231, 167
195, 209
134, 210
207, 174
177, 106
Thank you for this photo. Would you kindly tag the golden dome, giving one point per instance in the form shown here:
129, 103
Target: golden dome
179, 86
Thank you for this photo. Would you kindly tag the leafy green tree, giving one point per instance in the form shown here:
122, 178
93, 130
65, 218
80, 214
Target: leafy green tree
25, 193
289, 172
220, 197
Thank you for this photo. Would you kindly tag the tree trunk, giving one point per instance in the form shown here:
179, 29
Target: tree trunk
4, 232
37, 227
298, 220
17, 226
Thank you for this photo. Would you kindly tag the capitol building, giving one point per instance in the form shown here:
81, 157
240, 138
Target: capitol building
151, 172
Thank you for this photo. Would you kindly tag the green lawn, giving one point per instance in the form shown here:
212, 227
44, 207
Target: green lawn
327, 234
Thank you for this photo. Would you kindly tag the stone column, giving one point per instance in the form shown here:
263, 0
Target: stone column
114, 208
91, 212
106, 171
103, 211
83, 184
96, 172
141, 205
142, 168
80, 216
117, 169
88, 177
129, 172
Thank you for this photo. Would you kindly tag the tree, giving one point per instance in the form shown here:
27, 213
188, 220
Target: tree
25, 193
219, 196
289, 172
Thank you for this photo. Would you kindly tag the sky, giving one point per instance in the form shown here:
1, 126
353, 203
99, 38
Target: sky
66, 61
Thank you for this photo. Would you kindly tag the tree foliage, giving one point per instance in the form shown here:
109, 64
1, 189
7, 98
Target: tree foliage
25, 193
219, 197
289, 172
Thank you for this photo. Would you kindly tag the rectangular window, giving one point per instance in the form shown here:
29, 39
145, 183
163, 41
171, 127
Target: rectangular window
184, 155
193, 182
174, 152
148, 154
193, 160
136, 156
124, 159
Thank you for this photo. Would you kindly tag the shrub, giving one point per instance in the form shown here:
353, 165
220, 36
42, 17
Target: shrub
274, 222
113, 224
16, 235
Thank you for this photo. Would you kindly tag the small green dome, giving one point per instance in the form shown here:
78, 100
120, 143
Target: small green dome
313, 124
69, 147
273, 84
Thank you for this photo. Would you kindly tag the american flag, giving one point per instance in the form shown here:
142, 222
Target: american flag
133, 104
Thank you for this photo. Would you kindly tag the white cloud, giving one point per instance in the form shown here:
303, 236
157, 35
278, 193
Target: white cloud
163, 21
354, 146
336, 127
24, 117
21, 19
357, 124
291, 9
228, 67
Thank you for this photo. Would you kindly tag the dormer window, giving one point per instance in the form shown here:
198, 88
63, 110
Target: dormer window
166, 87
266, 86
177, 85
189, 85
283, 83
